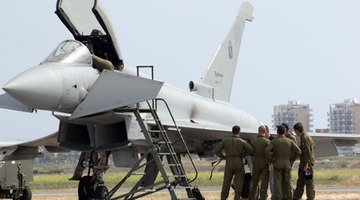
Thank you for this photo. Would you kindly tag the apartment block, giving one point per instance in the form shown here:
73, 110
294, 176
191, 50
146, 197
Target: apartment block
292, 113
345, 117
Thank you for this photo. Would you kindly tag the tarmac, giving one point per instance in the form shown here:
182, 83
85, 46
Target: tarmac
322, 193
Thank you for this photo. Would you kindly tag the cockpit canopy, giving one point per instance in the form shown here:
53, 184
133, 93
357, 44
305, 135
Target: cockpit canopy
70, 51
88, 23
79, 16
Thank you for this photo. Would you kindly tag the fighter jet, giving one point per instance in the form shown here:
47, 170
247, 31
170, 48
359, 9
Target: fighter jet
105, 107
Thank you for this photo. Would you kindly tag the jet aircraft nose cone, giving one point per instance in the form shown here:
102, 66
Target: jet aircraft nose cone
39, 88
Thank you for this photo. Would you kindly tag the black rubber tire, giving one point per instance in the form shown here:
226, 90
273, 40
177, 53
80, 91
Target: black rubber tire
85, 188
101, 192
27, 194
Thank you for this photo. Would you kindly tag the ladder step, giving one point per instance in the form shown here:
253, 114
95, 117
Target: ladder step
164, 142
144, 110
174, 165
139, 174
180, 175
172, 129
167, 153
157, 131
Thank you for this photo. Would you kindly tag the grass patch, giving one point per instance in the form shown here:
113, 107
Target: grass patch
324, 177
341, 177
328, 172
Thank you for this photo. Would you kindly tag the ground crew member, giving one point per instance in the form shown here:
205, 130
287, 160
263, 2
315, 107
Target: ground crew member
271, 168
291, 137
307, 160
260, 165
279, 152
293, 157
287, 132
101, 64
235, 149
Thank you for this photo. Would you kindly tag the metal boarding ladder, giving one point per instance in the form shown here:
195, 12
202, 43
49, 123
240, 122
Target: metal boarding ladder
153, 107
159, 147
170, 143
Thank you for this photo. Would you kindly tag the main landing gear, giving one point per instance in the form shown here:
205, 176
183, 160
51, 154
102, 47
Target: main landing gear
87, 189
91, 186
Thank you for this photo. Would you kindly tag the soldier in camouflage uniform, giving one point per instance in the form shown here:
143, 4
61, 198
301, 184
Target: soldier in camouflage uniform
307, 160
279, 152
260, 165
235, 149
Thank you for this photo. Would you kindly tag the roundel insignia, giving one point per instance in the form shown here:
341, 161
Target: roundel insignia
230, 50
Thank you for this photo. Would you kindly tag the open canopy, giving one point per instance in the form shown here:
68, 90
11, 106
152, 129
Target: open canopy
89, 24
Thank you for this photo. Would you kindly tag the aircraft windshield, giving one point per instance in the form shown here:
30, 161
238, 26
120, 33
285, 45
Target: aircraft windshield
70, 51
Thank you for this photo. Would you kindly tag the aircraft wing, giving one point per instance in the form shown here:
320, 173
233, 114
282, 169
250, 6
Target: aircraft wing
114, 90
30, 149
8, 102
202, 136
325, 143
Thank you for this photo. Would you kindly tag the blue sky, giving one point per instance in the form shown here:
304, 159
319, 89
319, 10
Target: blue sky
293, 50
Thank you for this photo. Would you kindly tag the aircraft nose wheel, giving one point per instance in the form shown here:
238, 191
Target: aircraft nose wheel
86, 188
101, 192
26, 194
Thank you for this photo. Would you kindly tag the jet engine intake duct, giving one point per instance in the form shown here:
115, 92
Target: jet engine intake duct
91, 137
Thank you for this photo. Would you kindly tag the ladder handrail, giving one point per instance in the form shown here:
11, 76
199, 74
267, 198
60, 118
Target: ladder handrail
168, 143
180, 134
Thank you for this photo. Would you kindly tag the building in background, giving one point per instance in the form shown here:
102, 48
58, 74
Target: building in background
344, 117
322, 130
292, 113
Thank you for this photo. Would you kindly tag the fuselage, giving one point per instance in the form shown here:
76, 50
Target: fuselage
192, 108
61, 87
62, 82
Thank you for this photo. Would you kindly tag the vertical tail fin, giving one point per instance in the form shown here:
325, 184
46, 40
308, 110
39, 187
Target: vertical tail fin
220, 73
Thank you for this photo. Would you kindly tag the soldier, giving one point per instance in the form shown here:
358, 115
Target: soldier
235, 149
307, 160
260, 165
267, 133
271, 168
101, 64
287, 132
279, 152
293, 157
